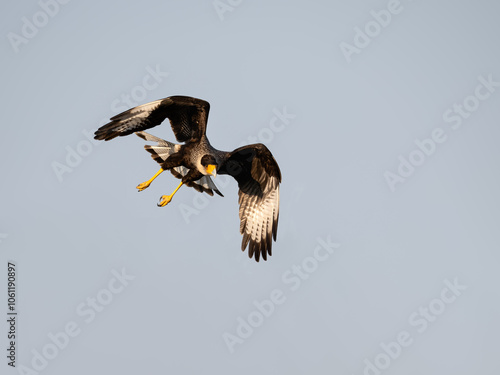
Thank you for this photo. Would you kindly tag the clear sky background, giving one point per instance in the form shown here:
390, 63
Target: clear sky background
384, 119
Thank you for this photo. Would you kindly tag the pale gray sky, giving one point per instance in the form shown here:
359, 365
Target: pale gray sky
383, 117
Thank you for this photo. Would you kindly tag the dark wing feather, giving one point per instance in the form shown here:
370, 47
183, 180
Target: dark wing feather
188, 118
258, 176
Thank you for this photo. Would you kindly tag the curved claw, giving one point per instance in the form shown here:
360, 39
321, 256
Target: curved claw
146, 184
164, 200
143, 186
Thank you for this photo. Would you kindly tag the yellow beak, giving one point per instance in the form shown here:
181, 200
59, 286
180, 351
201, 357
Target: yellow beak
212, 170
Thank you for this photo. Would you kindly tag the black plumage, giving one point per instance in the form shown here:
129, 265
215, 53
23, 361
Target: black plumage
252, 166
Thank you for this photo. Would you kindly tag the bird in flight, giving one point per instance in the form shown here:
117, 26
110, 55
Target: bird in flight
195, 162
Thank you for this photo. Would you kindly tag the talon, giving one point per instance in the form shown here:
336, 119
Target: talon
146, 184
164, 200
143, 186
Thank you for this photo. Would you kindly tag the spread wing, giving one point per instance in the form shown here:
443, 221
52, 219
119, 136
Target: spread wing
163, 149
258, 176
188, 118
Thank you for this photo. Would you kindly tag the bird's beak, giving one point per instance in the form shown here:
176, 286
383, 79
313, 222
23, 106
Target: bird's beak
212, 170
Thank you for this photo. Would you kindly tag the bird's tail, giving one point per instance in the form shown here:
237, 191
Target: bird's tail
162, 150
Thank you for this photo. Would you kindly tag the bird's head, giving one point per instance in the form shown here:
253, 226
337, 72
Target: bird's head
209, 165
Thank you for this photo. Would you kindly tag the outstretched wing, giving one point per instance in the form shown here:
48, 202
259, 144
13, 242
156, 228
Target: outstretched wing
188, 118
258, 176
163, 149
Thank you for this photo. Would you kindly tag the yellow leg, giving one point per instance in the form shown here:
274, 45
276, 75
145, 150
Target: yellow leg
165, 199
146, 184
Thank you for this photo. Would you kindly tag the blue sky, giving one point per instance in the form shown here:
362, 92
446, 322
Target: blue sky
383, 119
